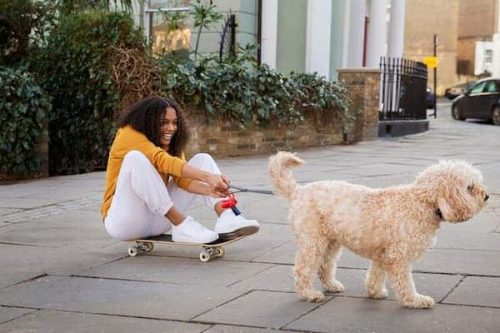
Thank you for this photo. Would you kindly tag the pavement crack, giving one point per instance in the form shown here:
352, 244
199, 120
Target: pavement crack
452, 289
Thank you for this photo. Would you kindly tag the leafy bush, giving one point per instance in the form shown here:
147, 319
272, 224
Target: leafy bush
77, 68
23, 109
239, 90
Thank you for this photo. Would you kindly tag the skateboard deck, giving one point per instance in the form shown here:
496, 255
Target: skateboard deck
209, 251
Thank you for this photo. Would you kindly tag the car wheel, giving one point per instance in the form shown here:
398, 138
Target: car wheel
456, 114
495, 115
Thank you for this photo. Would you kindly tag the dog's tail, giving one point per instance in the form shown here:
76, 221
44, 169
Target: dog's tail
281, 176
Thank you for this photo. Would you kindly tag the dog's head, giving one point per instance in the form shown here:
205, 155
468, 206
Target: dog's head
454, 188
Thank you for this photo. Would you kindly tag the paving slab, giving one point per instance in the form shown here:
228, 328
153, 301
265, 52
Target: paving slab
21, 262
77, 229
474, 290
47, 321
241, 329
454, 239
467, 262
127, 298
259, 309
179, 271
6, 211
285, 254
280, 278
9, 313
365, 315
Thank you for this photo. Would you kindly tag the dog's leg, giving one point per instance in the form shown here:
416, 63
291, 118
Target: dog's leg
374, 283
307, 262
328, 268
404, 287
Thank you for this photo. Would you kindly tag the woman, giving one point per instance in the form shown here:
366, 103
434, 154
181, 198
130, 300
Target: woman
149, 184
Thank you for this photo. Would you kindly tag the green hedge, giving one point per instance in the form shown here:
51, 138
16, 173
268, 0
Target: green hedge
76, 69
23, 110
241, 91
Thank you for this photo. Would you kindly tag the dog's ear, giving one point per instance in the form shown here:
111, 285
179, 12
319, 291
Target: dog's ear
452, 204
444, 207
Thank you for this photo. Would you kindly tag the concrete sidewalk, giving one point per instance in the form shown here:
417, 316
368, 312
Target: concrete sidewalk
60, 272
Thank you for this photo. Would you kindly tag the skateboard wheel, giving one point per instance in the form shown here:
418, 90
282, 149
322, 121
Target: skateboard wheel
132, 251
148, 247
204, 256
219, 251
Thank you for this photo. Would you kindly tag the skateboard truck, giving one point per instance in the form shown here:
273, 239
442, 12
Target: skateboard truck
231, 203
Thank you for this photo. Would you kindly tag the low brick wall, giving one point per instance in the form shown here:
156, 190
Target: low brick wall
226, 139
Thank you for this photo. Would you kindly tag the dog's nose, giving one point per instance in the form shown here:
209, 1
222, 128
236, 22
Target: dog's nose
486, 197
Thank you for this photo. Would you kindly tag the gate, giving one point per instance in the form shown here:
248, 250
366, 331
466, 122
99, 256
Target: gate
402, 89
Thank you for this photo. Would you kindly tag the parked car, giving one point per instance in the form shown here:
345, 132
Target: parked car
457, 90
430, 98
481, 101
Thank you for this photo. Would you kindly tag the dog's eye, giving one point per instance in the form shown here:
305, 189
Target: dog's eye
470, 188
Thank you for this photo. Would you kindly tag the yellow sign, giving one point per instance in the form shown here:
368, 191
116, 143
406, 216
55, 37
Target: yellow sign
431, 62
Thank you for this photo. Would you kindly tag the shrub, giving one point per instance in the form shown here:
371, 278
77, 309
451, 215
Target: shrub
23, 110
79, 68
239, 90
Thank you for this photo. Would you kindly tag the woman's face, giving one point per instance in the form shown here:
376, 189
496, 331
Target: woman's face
168, 127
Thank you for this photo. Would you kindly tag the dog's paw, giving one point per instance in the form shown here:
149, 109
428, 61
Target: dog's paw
314, 296
420, 302
334, 286
378, 294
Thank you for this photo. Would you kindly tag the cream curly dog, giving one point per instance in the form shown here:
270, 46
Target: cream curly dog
392, 226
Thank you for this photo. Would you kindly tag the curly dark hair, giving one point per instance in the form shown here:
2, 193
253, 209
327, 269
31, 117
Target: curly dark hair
146, 117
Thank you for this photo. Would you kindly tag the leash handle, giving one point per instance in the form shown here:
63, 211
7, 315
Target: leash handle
231, 202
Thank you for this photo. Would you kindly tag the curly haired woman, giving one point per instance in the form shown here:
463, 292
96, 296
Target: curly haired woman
149, 184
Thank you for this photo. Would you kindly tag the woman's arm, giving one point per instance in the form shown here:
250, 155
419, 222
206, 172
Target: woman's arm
215, 183
199, 187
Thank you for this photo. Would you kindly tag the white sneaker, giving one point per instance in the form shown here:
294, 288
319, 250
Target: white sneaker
229, 225
190, 231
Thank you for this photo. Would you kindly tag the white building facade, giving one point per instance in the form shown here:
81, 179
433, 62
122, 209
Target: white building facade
309, 36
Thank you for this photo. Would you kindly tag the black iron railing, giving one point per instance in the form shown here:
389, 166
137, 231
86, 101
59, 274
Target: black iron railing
403, 88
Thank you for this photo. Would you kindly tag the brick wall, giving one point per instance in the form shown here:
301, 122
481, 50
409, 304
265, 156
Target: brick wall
226, 139
364, 88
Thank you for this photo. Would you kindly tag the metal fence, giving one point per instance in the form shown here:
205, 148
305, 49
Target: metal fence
403, 88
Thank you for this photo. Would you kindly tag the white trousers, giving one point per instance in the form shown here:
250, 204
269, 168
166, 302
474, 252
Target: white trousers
141, 198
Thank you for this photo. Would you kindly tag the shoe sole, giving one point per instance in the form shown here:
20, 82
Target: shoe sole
245, 231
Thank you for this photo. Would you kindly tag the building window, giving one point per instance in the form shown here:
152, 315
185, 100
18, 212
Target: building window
488, 56
168, 25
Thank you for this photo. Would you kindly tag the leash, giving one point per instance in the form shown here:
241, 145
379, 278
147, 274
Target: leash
242, 190
231, 201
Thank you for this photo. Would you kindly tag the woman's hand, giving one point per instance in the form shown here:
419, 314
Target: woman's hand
219, 185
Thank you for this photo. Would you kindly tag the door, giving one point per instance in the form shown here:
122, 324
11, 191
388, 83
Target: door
472, 101
489, 98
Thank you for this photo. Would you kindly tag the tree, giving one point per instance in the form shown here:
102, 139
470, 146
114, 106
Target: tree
70, 6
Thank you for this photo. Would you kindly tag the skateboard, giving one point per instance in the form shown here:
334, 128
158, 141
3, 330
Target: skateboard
209, 251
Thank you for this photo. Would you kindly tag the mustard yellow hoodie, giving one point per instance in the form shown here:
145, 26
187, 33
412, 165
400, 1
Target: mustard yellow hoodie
128, 139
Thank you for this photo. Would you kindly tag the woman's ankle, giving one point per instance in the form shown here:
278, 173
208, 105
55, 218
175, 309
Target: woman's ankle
175, 216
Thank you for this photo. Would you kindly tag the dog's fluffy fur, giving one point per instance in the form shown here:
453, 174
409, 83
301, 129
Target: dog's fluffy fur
392, 226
